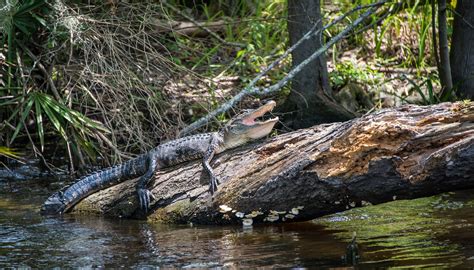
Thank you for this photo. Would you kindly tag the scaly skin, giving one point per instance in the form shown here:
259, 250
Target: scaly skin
238, 131
176, 152
62, 201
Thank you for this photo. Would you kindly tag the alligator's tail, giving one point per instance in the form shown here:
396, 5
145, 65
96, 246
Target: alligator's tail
62, 201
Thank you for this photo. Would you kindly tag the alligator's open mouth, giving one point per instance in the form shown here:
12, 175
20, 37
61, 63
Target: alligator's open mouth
251, 118
260, 128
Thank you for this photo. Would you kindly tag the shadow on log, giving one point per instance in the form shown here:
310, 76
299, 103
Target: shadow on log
400, 153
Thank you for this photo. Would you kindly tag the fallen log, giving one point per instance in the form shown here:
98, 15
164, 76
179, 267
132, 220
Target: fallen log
399, 153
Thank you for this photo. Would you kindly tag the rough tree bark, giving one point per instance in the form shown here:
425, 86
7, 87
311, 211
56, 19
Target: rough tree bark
462, 48
444, 68
310, 100
400, 153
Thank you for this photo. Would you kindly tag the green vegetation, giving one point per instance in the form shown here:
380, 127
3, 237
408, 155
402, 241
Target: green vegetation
19, 22
121, 77
347, 72
60, 116
8, 152
430, 95
23, 97
398, 52
261, 28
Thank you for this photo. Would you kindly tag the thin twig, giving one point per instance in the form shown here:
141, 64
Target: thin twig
200, 25
394, 9
433, 30
52, 86
112, 146
71, 160
250, 89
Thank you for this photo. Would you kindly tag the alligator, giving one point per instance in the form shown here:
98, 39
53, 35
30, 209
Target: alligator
238, 131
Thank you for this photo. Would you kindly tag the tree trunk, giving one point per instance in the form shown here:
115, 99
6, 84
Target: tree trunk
462, 48
444, 65
400, 153
310, 101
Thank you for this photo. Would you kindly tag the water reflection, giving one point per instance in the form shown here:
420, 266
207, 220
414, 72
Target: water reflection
278, 246
417, 232
435, 231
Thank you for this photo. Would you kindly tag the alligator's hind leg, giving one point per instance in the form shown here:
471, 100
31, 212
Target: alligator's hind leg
144, 195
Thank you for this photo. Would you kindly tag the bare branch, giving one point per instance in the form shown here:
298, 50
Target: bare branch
250, 89
460, 16
396, 7
203, 27
45, 73
433, 30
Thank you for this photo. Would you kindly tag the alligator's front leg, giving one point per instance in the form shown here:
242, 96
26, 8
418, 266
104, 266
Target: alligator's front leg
211, 150
144, 195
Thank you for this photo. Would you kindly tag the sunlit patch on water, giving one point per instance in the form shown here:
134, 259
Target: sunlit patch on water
429, 232
418, 232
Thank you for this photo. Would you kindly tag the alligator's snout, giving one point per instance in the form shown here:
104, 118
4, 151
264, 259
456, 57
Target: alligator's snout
54, 205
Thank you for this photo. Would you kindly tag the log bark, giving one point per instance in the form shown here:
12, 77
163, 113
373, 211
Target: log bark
400, 153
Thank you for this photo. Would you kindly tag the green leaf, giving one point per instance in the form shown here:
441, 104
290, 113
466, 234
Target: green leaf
9, 153
75, 118
86, 145
67, 122
431, 94
54, 120
29, 6
39, 124
40, 20
9, 102
23, 27
22, 119
417, 89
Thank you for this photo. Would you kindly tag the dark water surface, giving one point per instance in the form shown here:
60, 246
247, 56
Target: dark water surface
430, 232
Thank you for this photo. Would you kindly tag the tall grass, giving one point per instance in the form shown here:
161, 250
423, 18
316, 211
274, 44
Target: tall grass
402, 41
404, 36
260, 25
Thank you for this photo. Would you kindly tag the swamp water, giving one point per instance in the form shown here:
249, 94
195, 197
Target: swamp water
428, 232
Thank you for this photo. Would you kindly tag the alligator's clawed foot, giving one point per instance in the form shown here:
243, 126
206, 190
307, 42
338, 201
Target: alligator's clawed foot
213, 182
144, 198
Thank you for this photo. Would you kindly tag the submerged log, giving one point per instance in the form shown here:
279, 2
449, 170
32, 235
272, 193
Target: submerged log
393, 154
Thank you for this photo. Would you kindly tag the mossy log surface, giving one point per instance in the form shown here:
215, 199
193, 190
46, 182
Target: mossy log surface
393, 154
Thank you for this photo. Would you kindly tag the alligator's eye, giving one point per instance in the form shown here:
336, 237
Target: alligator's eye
236, 129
